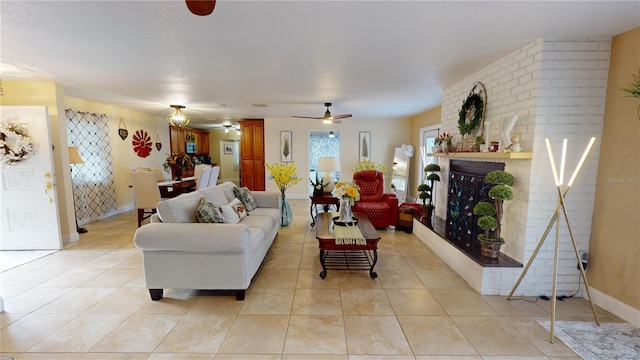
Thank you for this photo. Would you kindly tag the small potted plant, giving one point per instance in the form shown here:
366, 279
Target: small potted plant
318, 186
425, 191
491, 214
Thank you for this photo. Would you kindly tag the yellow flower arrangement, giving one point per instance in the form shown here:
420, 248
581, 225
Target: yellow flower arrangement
347, 190
284, 175
370, 165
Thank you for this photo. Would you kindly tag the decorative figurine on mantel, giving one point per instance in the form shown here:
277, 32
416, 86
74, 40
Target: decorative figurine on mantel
515, 144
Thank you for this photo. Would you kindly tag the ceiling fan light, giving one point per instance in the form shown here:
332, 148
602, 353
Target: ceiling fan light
177, 118
327, 121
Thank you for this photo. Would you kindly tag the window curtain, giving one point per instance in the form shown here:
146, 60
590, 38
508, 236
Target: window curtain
236, 154
94, 186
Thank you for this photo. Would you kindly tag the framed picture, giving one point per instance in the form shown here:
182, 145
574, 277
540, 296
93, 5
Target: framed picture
228, 148
190, 147
364, 145
286, 153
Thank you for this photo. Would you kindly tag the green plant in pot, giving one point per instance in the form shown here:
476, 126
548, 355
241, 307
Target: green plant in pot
491, 214
425, 191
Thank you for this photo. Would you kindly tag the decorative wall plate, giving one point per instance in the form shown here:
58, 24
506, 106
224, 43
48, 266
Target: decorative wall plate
141, 143
158, 143
122, 130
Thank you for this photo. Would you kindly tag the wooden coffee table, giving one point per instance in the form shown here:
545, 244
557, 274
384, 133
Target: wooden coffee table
347, 257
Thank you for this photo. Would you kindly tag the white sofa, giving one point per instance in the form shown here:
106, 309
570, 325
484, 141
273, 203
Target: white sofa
180, 253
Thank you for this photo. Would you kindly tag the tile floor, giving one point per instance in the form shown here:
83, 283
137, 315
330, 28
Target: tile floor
89, 302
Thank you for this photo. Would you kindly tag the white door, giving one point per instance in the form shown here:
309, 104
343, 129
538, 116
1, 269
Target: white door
28, 204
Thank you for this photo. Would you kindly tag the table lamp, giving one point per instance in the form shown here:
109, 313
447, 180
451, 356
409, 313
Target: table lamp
328, 165
74, 158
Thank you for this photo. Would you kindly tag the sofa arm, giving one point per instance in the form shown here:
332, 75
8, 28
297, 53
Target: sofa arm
266, 199
193, 237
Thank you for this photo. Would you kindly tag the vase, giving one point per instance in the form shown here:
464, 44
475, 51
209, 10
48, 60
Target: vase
286, 214
436, 148
490, 249
345, 214
445, 148
177, 171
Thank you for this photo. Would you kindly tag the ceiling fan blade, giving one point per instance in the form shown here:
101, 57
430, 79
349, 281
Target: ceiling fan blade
344, 116
201, 7
307, 117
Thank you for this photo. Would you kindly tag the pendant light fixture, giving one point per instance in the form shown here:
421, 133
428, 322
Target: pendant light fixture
177, 118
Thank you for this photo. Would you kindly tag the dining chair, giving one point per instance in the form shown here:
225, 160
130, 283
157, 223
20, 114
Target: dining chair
213, 179
158, 173
203, 179
198, 169
147, 193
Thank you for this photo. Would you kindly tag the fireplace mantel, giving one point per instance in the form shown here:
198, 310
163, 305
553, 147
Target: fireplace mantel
485, 155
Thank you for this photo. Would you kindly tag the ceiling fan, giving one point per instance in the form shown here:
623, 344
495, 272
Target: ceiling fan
226, 127
201, 7
327, 118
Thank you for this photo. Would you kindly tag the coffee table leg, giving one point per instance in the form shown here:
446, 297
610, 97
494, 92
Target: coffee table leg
372, 273
323, 273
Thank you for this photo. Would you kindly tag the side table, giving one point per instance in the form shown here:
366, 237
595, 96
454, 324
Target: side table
326, 201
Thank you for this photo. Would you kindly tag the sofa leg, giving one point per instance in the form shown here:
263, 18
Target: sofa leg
156, 294
239, 295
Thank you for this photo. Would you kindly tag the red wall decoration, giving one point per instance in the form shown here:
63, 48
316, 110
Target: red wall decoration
141, 143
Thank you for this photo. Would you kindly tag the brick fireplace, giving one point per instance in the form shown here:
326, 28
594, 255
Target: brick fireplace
557, 88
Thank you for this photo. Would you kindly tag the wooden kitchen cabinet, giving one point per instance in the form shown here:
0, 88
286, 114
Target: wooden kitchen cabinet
179, 136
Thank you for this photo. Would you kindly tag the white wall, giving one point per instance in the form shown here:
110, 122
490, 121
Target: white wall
386, 135
557, 87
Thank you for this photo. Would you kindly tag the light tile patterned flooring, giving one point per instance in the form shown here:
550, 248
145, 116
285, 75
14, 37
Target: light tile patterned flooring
89, 302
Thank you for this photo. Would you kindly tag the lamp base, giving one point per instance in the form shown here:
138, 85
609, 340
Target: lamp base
328, 179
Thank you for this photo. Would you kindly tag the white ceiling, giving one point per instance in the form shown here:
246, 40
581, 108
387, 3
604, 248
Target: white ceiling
370, 58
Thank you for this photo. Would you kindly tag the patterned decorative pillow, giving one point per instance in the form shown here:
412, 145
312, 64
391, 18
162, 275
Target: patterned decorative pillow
246, 197
207, 212
234, 211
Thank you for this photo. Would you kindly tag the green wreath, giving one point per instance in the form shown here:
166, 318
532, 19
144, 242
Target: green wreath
473, 101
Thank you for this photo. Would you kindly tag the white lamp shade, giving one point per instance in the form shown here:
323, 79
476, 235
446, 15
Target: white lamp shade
74, 156
328, 164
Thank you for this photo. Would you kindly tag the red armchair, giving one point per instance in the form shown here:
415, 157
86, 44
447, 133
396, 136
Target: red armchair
381, 208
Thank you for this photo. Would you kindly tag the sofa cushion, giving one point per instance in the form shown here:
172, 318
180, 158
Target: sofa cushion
245, 196
180, 209
234, 211
271, 213
258, 222
228, 187
207, 212
215, 194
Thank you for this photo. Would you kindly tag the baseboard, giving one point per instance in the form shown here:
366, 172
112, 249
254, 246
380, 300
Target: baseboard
615, 306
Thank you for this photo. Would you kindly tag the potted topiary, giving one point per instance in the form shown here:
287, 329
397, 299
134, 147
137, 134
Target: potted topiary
491, 214
425, 191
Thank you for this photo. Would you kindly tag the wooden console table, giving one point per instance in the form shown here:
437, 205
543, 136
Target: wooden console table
325, 200
347, 257
173, 188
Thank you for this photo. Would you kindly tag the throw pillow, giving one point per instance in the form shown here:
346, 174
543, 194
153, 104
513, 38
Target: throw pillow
234, 211
246, 197
207, 212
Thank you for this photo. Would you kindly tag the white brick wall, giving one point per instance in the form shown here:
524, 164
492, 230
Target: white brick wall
557, 88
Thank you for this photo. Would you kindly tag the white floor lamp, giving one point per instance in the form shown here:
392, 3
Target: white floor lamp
74, 158
559, 179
